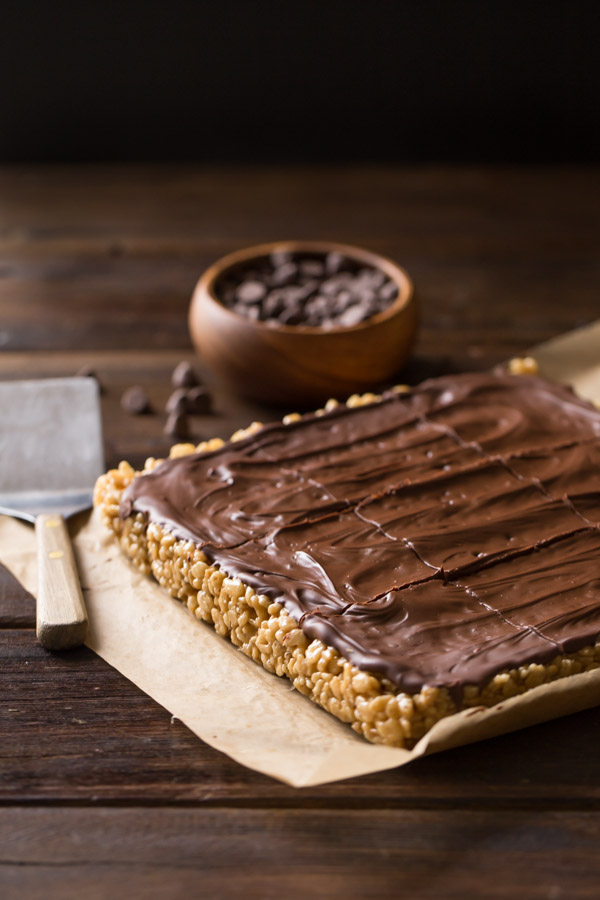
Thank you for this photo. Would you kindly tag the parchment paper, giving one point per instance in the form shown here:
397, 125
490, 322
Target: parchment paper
232, 703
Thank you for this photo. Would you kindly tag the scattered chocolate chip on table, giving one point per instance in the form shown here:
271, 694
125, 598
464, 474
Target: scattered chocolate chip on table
199, 401
177, 425
184, 375
135, 401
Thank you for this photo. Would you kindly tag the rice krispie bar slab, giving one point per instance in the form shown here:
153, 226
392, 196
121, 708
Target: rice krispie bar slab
398, 557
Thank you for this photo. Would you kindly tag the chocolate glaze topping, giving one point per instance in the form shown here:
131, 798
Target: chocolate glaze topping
435, 537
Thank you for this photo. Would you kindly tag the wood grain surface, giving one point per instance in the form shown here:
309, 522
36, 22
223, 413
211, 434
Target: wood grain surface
101, 792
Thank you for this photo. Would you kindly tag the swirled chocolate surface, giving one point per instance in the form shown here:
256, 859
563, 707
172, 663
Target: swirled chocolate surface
435, 537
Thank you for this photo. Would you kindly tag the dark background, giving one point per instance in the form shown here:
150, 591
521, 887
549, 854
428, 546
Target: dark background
471, 81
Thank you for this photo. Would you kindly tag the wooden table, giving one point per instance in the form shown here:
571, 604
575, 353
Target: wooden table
102, 794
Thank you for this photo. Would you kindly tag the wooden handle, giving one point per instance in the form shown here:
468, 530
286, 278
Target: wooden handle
61, 619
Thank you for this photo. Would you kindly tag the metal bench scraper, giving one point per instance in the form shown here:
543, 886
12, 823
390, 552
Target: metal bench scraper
50, 456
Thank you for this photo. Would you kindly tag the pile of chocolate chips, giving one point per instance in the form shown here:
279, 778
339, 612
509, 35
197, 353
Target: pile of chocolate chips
189, 398
322, 290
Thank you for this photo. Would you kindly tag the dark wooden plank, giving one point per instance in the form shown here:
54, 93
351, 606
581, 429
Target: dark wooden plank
295, 853
72, 729
136, 437
106, 257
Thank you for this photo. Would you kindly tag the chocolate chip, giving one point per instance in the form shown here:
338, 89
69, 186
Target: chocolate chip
199, 401
388, 291
251, 292
184, 376
89, 372
370, 278
177, 426
292, 296
284, 274
336, 283
334, 262
290, 317
274, 304
351, 316
312, 268
280, 257
177, 402
307, 290
85, 372
135, 401
366, 296
317, 304
376, 278
371, 311
342, 301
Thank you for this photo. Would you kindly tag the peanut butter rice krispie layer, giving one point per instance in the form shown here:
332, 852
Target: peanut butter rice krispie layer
398, 557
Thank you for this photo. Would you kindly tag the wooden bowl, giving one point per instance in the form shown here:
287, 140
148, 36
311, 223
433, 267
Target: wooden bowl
301, 366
